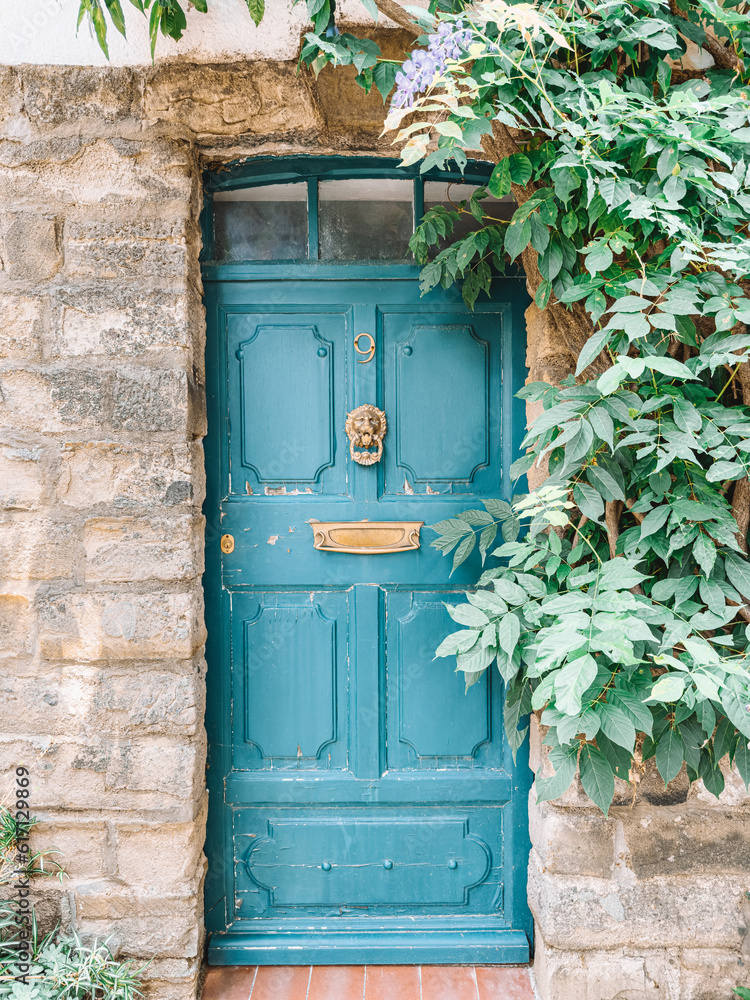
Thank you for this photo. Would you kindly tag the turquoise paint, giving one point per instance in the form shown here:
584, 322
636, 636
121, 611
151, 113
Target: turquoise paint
362, 808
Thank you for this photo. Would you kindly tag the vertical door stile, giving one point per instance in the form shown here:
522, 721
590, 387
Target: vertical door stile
365, 385
366, 695
367, 698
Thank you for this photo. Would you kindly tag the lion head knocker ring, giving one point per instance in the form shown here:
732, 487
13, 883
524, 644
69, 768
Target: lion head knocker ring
365, 427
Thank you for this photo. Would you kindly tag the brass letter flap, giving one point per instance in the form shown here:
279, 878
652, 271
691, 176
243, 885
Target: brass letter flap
366, 537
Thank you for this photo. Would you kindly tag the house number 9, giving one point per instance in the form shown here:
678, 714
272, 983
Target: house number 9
370, 351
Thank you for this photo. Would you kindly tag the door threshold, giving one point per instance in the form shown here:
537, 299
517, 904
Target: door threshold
468, 946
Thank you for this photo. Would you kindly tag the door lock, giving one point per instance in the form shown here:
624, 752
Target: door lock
227, 543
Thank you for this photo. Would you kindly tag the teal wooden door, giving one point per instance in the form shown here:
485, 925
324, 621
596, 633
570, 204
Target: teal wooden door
363, 808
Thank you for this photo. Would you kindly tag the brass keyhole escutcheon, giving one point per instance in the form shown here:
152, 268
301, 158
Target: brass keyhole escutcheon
227, 543
370, 351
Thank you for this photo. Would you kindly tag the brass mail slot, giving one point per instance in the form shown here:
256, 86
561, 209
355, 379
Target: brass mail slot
366, 537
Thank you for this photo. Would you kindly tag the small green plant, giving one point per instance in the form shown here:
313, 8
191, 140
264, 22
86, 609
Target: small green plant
67, 969
742, 991
60, 967
35, 863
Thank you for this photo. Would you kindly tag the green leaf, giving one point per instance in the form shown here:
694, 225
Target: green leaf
670, 367
616, 725
510, 591
464, 550
564, 760
596, 305
520, 168
669, 755
517, 704
738, 572
457, 642
476, 660
517, 237
589, 501
686, 416
115, 12
654, 520
736, 704
543, 293
721, 471
704, 552
486, 538
634, 708
597, 777
540, 240
713, 779
620, 574
604, 482
384, 78
599, 259
592, 349
570, 683
257, 9
100, 26
668, 688
742, 761
499, 509
467, 614
450, 129
508, 632
500, 179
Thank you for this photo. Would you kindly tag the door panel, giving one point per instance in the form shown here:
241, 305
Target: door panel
444, 380
354, 785
457, 730
287, 400
289, 676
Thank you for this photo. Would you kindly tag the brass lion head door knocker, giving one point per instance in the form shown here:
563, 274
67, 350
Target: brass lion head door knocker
365, 427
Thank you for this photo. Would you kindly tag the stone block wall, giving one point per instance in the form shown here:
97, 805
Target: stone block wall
649, 903
101, 468
101, 533
101, 543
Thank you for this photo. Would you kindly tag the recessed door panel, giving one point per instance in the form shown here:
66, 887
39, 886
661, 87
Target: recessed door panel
381, 862
290, 680
458, 729
286, 382
442, 375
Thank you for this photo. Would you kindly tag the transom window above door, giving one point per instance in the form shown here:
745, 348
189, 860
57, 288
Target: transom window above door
342, 211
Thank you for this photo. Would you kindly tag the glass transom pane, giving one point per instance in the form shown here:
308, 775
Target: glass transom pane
365, 219
268, 222
450, 193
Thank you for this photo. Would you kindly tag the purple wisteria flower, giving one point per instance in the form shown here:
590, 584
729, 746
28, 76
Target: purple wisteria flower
420, 70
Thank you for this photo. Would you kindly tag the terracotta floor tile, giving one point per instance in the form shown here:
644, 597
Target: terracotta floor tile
504, 983
448, 982
228, 982
392, 982
281, 982
336, 982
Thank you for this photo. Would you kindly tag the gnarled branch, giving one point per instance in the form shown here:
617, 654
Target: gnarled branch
397, 14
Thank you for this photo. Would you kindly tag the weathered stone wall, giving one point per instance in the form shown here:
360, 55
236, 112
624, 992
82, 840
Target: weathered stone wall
101, 466
649, 903
101, 484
